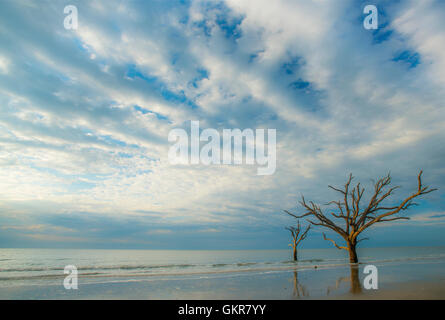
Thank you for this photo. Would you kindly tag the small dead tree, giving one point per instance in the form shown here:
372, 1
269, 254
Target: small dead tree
351, 219
297, 237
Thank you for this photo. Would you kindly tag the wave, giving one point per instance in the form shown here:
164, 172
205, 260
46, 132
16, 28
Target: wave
198, 272
402, 259
144, 266
99, 267
163, 266
305, 262
148, 270
44, 276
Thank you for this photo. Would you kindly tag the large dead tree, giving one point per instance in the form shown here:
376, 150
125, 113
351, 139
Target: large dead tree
297, 237
349, 220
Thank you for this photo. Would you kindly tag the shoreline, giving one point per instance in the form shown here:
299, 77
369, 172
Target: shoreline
412, 281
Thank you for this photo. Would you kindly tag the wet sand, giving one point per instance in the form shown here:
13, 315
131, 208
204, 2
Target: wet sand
407, 280
415, 290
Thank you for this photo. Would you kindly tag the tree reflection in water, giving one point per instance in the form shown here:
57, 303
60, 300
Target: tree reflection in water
299, 289
353, 279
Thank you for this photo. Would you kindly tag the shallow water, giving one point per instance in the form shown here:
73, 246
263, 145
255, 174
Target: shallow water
25, 267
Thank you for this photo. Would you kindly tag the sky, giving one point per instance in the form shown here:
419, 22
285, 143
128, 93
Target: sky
85, 116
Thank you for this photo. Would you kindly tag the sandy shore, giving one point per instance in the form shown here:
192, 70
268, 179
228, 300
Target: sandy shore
414, 280
415, 290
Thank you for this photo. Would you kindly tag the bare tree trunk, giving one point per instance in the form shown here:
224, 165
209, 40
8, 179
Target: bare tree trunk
352, 252
297, 237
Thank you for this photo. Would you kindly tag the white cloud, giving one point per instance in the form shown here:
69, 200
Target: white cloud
69, 133
4, 64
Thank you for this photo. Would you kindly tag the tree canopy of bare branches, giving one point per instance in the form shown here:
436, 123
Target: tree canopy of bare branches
297, 237
349, 219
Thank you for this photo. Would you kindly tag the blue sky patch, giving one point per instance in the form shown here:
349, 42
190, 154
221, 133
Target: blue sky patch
412, 59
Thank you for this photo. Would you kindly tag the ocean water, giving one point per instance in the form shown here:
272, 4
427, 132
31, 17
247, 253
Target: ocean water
27, 267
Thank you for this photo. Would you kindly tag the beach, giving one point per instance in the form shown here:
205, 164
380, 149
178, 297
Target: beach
403, 273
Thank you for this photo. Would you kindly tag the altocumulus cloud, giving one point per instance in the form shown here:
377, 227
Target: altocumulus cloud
85, 115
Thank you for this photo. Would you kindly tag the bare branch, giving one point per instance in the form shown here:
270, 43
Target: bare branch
355, 218
304, 234
405, 204
392, 219
363, 239
335, 244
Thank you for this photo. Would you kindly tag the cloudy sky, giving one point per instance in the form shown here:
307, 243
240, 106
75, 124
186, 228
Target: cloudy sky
85, 116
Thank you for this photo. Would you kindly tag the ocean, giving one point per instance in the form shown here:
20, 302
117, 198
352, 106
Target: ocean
44, 268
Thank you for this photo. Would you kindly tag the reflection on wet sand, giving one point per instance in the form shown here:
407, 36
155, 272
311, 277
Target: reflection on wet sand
299, 289
353, 279
302, 291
